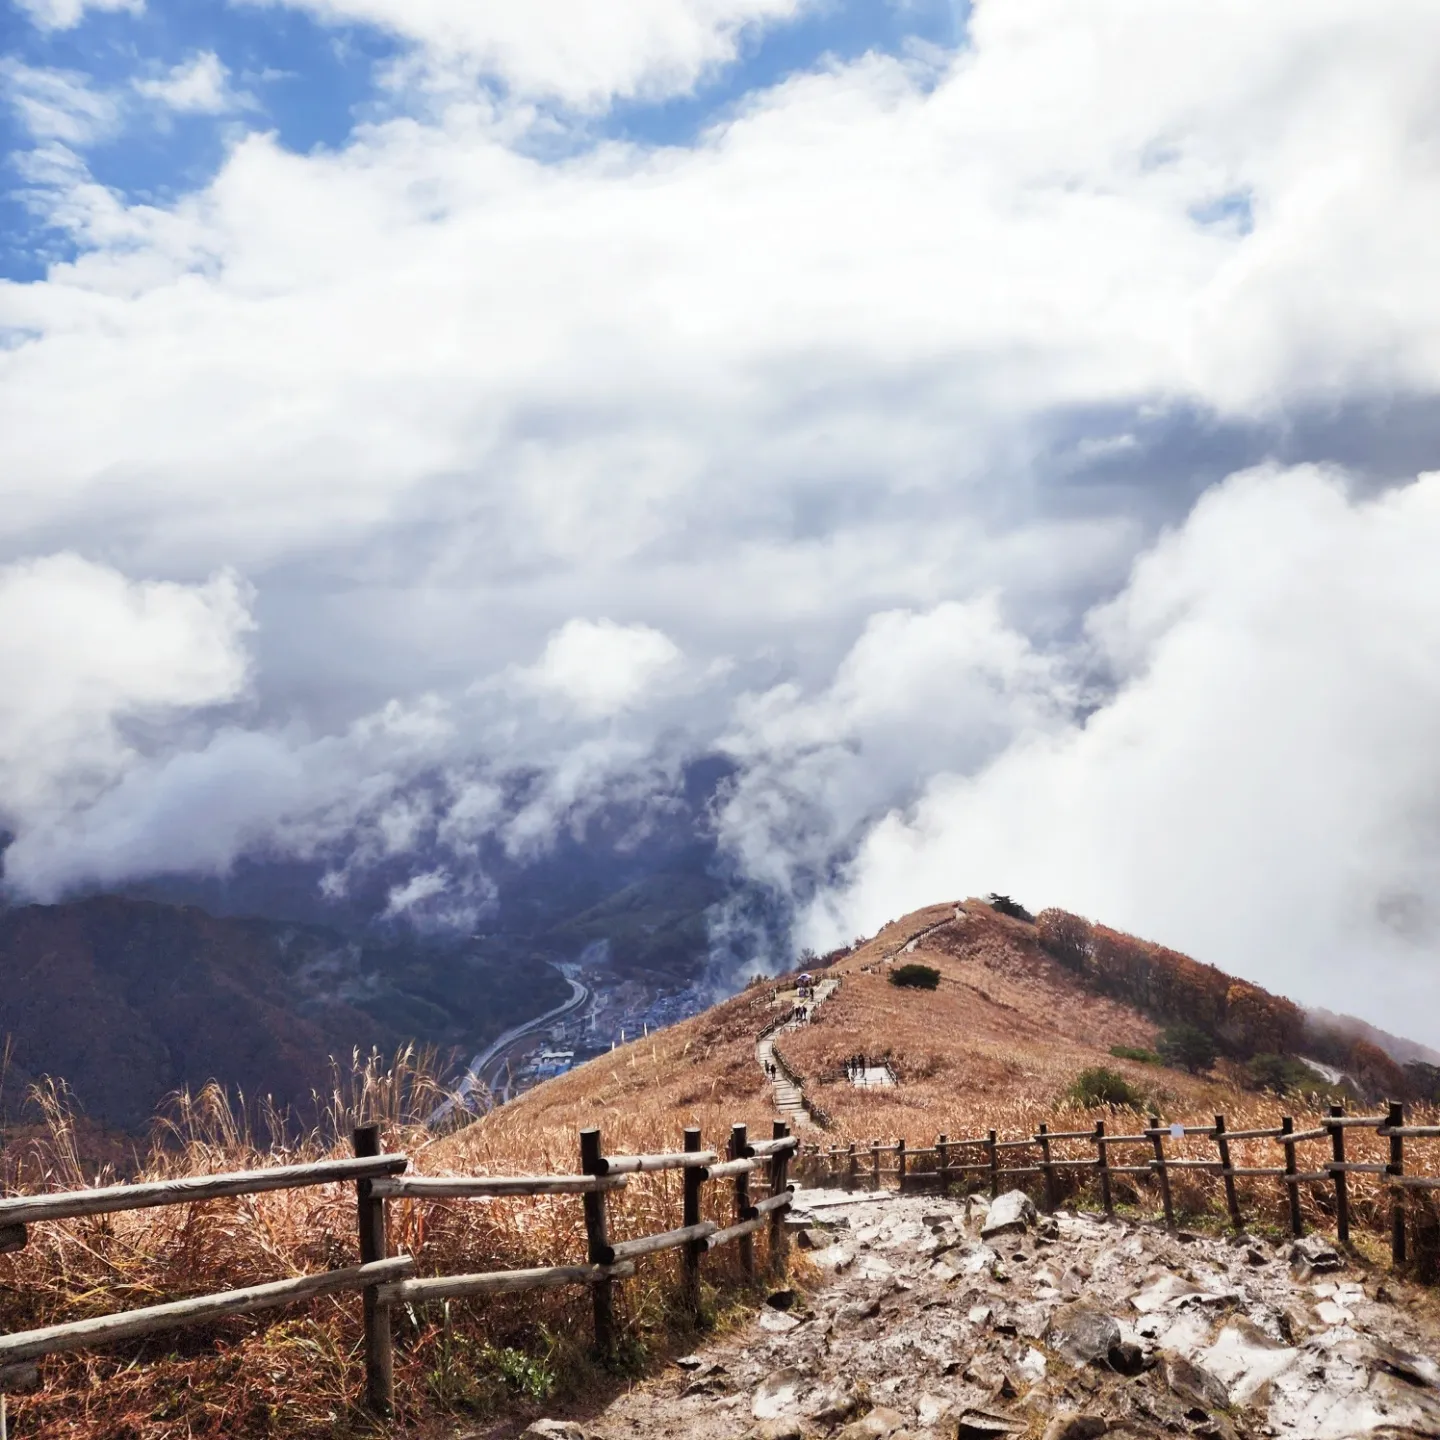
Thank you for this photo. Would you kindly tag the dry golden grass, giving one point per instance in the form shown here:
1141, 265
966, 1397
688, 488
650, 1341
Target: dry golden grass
297, 1373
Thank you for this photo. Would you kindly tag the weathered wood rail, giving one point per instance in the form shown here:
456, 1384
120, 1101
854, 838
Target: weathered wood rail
843, 1164
384, 1280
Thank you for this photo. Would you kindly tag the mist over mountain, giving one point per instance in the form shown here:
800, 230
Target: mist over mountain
1001, 440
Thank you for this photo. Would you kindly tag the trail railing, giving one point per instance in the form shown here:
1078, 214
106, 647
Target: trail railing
979, 1162
385, 1280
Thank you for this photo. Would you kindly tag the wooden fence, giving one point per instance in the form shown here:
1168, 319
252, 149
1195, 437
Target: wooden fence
384, 1280
856, 1165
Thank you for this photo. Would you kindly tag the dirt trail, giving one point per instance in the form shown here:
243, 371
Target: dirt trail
1066, 1327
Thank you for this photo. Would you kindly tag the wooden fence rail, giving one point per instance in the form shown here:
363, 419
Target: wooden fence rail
842, 1163
385, 1281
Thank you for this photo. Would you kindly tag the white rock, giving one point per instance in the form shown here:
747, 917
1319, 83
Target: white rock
776, 1394
1009, 1214
1244, 1358
553, 1430
1032, 1366
932, 1409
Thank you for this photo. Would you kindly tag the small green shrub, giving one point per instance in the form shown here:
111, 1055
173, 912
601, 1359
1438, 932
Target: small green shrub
1187, 1047
1006, 906
1135, 1053
1101, 1086
1284, 1075
916, 977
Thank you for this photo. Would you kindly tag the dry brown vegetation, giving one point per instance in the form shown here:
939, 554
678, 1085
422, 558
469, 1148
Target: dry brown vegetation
996, 1046
297, 1374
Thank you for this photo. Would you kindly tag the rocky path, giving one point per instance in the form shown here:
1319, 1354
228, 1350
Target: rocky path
953, 1320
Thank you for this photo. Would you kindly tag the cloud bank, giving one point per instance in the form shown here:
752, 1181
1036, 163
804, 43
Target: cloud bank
1007, 455
1260, 785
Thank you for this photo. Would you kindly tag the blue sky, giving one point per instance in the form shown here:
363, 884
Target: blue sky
311, 81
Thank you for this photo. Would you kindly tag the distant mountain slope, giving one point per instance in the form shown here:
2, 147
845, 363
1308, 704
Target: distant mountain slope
999, 1043
1399, 1049
128, 1000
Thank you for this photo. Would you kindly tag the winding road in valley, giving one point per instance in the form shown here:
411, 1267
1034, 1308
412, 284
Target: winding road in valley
475, 1076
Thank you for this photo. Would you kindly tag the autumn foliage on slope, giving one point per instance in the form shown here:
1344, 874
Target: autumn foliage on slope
1172, 988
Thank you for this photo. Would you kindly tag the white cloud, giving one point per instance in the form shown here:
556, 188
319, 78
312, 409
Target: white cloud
58, 105
1263, 787
599, 668
66, 14
87, 657
571, 50
916, 693
197, 86
869, 280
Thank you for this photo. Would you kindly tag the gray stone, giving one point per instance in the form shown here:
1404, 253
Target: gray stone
985, 1425
1083, 1335
1127, 1358
879, 1424
859, 1312
785, 1428
1315, 1255
1076, 1427
1012, 1213
776, 1394
552, 1430
832, 1403
1192, 1383
1419, 1369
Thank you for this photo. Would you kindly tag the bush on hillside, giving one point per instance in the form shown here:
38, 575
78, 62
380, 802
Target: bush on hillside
1006, 906
1187, 1047
1285, 1075
1424, 1080
1278, 1073
1135, 1053
1100, 1086
916, 977
1065, 937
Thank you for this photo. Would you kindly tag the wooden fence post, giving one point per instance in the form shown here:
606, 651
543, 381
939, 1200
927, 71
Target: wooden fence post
693, 1178
1292, 1185
875, 1164
942, 1159
1102, 1164
739, 1148
592, 1162
994, 1164
1047, 1170
370, 1214
852, 1164
1157, 1136
778, 1167
1342, 1192
1397, 1167
900, 1166
1232, 1199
